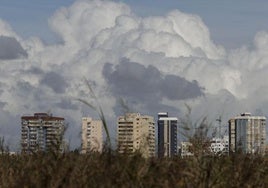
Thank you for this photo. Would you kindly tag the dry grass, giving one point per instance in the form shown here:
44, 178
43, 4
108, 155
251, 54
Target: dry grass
111, 169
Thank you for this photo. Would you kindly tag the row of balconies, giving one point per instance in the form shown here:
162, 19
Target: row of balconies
125, 130
125, 126
124, 134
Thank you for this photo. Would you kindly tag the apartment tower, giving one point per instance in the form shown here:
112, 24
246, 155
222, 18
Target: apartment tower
167, 135
92, 135
247, 134
41, 132
136, 132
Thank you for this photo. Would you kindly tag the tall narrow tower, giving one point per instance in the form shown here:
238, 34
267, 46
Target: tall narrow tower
167, 135
92, 137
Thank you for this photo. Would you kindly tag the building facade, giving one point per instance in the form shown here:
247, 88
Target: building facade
185, 149
247, 134
92, 135
219, 146
41, 132
136, 132
167, 135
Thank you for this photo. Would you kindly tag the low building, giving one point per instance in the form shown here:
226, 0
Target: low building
186, 149
219, 146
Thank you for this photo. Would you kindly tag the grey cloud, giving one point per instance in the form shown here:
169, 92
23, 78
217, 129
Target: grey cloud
35, 70
132, 79
10, 130
151, 107
136, 81
66, 104
10, 48
176, 87
24, 88
55, 81
2, 104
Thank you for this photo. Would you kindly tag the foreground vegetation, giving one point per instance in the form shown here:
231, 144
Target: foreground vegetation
111, 169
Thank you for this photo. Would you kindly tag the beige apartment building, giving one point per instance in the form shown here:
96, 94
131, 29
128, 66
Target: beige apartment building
247, 134
136, 132
92, 135
41, 132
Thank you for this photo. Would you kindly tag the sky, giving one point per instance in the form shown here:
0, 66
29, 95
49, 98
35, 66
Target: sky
152, 55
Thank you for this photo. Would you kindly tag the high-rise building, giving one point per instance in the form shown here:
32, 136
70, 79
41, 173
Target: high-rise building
136, 132
247, 134
92, 135
167, 135
41, 132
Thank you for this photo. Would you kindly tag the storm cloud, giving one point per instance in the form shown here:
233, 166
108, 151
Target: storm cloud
10, 48
130, 79
55, 81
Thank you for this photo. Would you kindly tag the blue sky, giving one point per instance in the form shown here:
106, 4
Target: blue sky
231, 23
30, 17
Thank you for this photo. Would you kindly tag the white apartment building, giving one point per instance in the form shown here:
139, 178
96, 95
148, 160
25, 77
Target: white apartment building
92, 135
220, 146
41, 132
247, 134
136, 132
